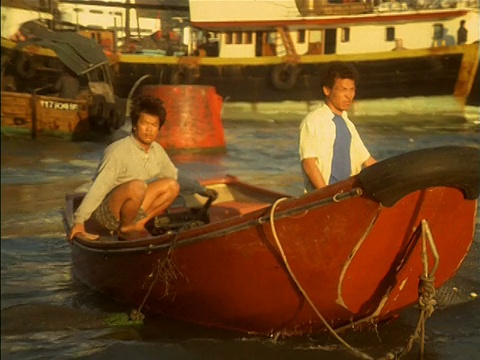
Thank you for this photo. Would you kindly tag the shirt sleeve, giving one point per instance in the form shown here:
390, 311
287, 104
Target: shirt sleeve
308, 141
103, 183
166, 167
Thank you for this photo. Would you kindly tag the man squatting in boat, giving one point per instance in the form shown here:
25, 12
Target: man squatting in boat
330, 147
135, 181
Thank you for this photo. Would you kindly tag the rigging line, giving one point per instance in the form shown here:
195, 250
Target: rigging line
302, 290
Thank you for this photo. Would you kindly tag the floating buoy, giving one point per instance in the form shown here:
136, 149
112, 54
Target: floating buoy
193, 117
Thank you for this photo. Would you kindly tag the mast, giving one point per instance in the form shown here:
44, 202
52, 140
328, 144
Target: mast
127, 21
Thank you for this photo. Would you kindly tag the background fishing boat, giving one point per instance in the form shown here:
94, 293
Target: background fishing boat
35, 116
265, 53
57, 84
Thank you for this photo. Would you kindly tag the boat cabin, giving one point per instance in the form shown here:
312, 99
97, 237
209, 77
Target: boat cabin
247, 29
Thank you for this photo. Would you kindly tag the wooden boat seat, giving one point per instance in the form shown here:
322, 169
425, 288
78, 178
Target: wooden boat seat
229, 209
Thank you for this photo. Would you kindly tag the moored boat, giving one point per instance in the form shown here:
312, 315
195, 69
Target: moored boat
264, 51
32, 115
272, 52
258, 261
58, 84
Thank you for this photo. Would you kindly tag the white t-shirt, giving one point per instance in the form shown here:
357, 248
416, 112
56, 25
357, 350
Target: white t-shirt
317, 137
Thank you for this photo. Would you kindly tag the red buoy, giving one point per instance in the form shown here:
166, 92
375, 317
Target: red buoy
193, 117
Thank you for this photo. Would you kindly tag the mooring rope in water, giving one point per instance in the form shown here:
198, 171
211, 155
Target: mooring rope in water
302, 290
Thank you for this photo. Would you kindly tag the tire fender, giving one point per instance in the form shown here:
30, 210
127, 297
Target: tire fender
182, 76
284, 76
97, 110
26, 67
451, 166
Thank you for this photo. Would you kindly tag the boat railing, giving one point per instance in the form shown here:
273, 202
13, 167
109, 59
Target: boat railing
355, 7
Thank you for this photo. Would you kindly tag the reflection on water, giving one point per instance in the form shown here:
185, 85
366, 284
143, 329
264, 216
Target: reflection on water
47, 314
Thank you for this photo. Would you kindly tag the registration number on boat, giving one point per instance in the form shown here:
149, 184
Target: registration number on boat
56, 105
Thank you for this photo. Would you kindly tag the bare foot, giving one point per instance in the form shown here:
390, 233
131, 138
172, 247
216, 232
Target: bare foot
137, 227
133, 231
133, 235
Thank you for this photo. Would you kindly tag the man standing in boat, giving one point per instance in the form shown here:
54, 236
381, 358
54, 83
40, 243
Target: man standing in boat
330, 147
135, 181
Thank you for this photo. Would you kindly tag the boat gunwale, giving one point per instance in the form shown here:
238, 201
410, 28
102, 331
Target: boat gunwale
172, 240
382, 183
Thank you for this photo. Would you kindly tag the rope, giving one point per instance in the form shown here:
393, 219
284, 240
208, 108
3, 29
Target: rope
302, 290
165, 269
426, 288
426, 292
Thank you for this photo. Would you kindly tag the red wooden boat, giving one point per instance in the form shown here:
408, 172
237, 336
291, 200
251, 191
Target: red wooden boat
263, 262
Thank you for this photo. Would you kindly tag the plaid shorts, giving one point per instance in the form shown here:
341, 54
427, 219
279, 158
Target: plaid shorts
104, 215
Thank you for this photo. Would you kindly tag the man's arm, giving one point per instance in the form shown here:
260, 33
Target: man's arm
313, 173
369, 161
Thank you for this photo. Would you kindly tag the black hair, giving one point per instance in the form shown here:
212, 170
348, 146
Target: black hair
339, 70
147, 104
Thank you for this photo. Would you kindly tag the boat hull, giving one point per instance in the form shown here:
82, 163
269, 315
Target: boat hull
425, 72
44, 116
275, 266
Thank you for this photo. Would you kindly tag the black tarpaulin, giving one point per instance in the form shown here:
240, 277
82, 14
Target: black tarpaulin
77, 52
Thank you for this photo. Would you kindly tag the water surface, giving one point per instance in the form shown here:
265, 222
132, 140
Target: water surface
48, 314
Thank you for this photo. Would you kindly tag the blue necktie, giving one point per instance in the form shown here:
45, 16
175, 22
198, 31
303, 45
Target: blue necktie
341, 163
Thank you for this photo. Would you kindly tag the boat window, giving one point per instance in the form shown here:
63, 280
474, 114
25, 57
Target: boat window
237, 37
345, 34
301, 36
390, 34
247, 37
96, 11
228, 38
438, 31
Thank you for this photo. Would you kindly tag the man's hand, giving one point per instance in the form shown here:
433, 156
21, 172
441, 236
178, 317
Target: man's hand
79, 229
210, 193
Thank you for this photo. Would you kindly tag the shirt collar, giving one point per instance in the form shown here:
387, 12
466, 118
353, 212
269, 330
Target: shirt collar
137, 144
344, 113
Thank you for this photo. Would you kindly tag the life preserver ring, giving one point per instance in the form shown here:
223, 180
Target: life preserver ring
182, 76
26, 67
284, 76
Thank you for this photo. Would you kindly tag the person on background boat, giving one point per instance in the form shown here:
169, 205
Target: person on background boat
330, 147
399, 45
462, 33
135, 181
67, 85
